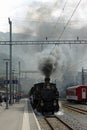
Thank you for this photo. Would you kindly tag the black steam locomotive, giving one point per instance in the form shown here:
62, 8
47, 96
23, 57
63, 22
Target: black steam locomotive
44, 97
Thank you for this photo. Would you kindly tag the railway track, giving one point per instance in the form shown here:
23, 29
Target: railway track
66, 121
55, 123
79, 110
62, 122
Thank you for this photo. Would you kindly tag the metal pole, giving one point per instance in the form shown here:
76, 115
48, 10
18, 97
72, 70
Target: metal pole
13, 86
7, 85
19, 81
10, 23
82, 76
16, 90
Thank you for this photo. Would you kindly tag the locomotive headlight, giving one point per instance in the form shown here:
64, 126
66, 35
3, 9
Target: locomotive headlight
42, 104
54, 103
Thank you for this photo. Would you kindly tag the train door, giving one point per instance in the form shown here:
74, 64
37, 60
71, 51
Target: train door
83, 93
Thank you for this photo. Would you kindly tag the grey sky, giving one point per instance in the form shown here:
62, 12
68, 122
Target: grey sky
41, 18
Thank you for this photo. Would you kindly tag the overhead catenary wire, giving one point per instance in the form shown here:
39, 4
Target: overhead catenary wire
62, 10
39, 20
55, 4
67, 24
58, 19
69, 19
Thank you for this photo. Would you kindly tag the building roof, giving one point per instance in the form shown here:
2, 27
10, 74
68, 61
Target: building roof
76, 86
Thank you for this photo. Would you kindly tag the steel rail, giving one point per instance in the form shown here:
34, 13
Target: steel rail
82, 111
67, 125
64, 123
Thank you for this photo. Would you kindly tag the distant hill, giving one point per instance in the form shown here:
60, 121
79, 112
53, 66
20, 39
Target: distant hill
16, 36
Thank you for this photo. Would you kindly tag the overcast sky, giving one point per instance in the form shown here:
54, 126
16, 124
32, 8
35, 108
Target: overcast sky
31, 15
38, 19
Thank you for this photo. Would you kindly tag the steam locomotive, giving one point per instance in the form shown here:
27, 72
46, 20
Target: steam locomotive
44, 97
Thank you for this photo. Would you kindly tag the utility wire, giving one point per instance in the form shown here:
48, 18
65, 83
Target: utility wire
69, 20
55, 4
66, 25
58, 19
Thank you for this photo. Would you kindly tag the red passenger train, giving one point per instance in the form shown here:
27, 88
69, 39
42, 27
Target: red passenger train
77, 93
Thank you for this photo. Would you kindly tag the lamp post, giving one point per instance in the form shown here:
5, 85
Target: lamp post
83, 75
19, 89
16, 90
7, 85
6, 82
13, 84
10, 28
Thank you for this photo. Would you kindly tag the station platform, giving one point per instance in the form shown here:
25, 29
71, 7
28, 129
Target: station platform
18, 116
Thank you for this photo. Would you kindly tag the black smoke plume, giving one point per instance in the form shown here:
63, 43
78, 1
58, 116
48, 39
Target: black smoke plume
47, 65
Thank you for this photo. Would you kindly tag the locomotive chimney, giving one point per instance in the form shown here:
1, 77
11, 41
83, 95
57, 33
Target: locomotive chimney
47, 79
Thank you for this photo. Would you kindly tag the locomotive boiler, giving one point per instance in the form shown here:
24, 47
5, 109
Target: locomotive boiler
44, 97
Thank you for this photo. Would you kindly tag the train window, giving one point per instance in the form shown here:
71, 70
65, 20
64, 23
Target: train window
84, 90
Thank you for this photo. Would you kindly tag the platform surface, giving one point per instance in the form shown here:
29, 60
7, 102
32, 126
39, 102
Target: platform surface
19, 116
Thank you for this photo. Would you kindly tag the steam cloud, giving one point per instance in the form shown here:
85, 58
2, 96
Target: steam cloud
64, 66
